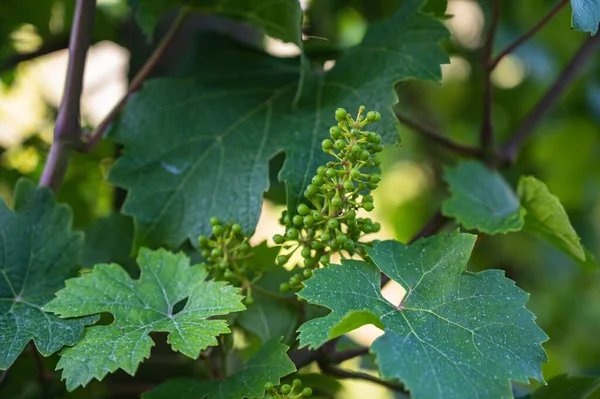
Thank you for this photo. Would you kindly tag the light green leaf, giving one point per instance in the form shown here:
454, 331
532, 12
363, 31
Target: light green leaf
569, 386
210, 163
269, 364
481, 199
547, 218
38, 251
141, 307
455, 334
586, 15
281, 19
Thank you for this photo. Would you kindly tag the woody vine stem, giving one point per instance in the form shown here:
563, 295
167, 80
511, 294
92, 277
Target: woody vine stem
68, 135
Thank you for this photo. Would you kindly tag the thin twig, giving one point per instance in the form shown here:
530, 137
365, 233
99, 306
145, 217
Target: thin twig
357, 375
493, 63
67, 129
339, 357
3, 376
96, 135
487, 129
438, 138
50, 46
42, 375
511, 148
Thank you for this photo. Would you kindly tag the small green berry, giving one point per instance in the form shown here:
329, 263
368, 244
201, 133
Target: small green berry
223, 265
285, 287
349, 245
303, 209
331, 173
341, 238
318, 216
336, 202
348, 185
375, 227
377, 148
321, 170
356, 149
325, 236
339, 144
203, 241
282, 259
309, 221
376, 161
245, 246
205, 253
333, 224
371, 186
340, 114
355, 174
269, 386
368, 206
371, 117
326, 145
335, 132
307, 392
214, 221
217, 230
216, 253
305, 252
366, 228
311, 191
295, 280
307, 273
297, 220
324, 259
278, 239
318, 180
296, 383
350, 215
317, 245
292, 233
375, 178
236, 228
310, 262
364, 155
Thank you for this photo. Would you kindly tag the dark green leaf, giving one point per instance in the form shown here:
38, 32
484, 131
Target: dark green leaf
572, 387
586, 15
455, 334
110, 240
38, 251
481, 199
209, 163
269, 364
141, 307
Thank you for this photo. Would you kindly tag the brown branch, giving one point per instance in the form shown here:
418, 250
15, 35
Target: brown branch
96, 135
487, 129
357, 375
67, 129
493, 63
438, 138
339, 357
50, 46
511, 148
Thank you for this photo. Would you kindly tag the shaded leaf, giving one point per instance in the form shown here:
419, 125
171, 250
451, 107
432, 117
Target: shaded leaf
481, 199
38, 251
586, 15
110, 240
569, 386
269, 364
216, 163
141, 307
455, 334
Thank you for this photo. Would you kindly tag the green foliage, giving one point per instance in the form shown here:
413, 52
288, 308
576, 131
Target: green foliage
261, 116
140, 307
38, 251
481, 199
569, 386
268, 365
469, 333
586, 15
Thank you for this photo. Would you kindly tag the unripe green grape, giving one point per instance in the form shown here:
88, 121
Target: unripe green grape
307, 392
331, 173
205, 253
375, 178
350, 214
216, 253
318, 216
214, 221
371, 116
284, 287
376, 161
305, 252
244, 246
355, 174
325, 236
367, 198
297, 220
327, 145
371, 186
340, 114
373, 138
324, 259
318, 180
375, 227
321, 170
307, 273
348, 185
296, 383
334, 245
223, 265
217, 230
364, 155
236, 228
330, 194
292, 233
378, 148
333, 224
368, 206
282, 259
317, 245
366, 228
377, 116
311, 191
278, 239
336, 202
203, 241
310, 262
303, 209
286, 218
339, 144
349, 245
335, 132
295, 280
309, 221
341, 238
269, 386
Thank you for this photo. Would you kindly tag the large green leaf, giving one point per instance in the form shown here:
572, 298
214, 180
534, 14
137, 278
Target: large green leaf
547, 218
205, 142
281, 19
569, 386
141, 307
38, 251
481, 199
455, 334
269, 364
586, 15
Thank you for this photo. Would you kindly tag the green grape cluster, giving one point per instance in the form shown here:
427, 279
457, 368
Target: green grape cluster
287, 391
327, 223
227, 253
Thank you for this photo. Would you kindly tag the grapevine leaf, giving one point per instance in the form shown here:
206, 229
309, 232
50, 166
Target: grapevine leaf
269, 364
110, 240
139, 308
586, 15
38, 251
569, 386
481, 199
547, 218
455, 334
209, 163
281, 19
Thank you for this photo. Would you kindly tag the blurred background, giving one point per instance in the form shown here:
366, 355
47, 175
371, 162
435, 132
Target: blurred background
564, 152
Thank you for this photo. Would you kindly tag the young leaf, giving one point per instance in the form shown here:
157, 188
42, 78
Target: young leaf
455, 334
586, 15
281, 19
187, 147
547, 218
269, 364
141, 307
38, 251
481, 199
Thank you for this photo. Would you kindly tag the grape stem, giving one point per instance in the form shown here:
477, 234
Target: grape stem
357, 375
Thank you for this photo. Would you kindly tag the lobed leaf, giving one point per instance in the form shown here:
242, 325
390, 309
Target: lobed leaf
139, 308
455, 334
38, 251
586, 15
